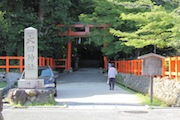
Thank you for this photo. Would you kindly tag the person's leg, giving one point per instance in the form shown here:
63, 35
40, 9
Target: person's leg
113, 83
110, 83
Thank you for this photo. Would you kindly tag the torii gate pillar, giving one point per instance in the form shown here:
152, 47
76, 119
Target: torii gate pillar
105, 60
69, 54
105, 63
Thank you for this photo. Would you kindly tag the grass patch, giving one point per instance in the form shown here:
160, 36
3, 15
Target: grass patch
144, 99
50, 102
2, 84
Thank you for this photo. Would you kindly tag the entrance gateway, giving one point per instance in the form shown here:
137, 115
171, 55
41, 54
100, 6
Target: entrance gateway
84, 31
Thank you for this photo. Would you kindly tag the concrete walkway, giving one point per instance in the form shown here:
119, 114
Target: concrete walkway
87, 88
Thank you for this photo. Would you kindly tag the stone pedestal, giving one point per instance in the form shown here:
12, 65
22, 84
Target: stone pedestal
31, 96
1, 108
31, 84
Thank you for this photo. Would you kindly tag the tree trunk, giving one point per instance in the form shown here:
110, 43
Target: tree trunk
41, 11
154, 51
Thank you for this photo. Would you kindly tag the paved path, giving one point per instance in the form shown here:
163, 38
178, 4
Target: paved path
87, 88
88, 97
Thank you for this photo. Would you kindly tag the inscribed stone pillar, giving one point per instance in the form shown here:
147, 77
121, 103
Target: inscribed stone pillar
31, 60
31, 55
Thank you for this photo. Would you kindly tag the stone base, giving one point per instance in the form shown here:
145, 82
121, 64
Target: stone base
1, 108
30, 96
31, 84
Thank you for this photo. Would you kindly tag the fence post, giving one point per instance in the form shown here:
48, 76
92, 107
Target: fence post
43, 61
135, 67
47, 61
39, 61
51, 63
170, 67
138, 67
119, 66
176, 68
128, 66
21, 63
7, 64
125, 66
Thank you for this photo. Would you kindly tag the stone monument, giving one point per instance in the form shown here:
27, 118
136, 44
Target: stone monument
31, 61
31, 89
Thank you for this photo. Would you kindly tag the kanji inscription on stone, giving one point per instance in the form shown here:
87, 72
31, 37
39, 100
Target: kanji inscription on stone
31, 53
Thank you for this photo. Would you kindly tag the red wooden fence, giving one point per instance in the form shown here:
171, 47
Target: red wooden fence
171, 67
9, 62
129, 66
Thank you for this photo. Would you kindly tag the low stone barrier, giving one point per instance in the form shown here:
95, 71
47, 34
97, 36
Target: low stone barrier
30, 96
164, 89
136, 83
167, 91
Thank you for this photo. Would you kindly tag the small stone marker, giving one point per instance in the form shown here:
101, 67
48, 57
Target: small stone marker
31, 60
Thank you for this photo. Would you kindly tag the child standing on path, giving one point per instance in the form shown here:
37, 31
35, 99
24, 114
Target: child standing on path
112, 72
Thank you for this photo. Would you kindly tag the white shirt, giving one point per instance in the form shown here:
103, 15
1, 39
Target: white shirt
112, 72
109, 65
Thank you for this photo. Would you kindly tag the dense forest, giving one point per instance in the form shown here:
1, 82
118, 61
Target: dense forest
135, 27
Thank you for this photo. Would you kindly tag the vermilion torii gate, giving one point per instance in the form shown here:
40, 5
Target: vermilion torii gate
85, 30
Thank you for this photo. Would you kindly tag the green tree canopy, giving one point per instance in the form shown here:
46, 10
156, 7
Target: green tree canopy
132, 25
106, 13
44, 15
157, 26
135, 24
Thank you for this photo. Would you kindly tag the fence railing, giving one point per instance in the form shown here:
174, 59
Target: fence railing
171, 67
8, 62
129, 66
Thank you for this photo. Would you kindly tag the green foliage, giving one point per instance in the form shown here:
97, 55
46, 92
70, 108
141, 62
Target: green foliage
157, 26
134, 24
106, 13
142, 23
44, 15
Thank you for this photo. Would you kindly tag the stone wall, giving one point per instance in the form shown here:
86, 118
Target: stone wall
136, 83
167, 91
164, 89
